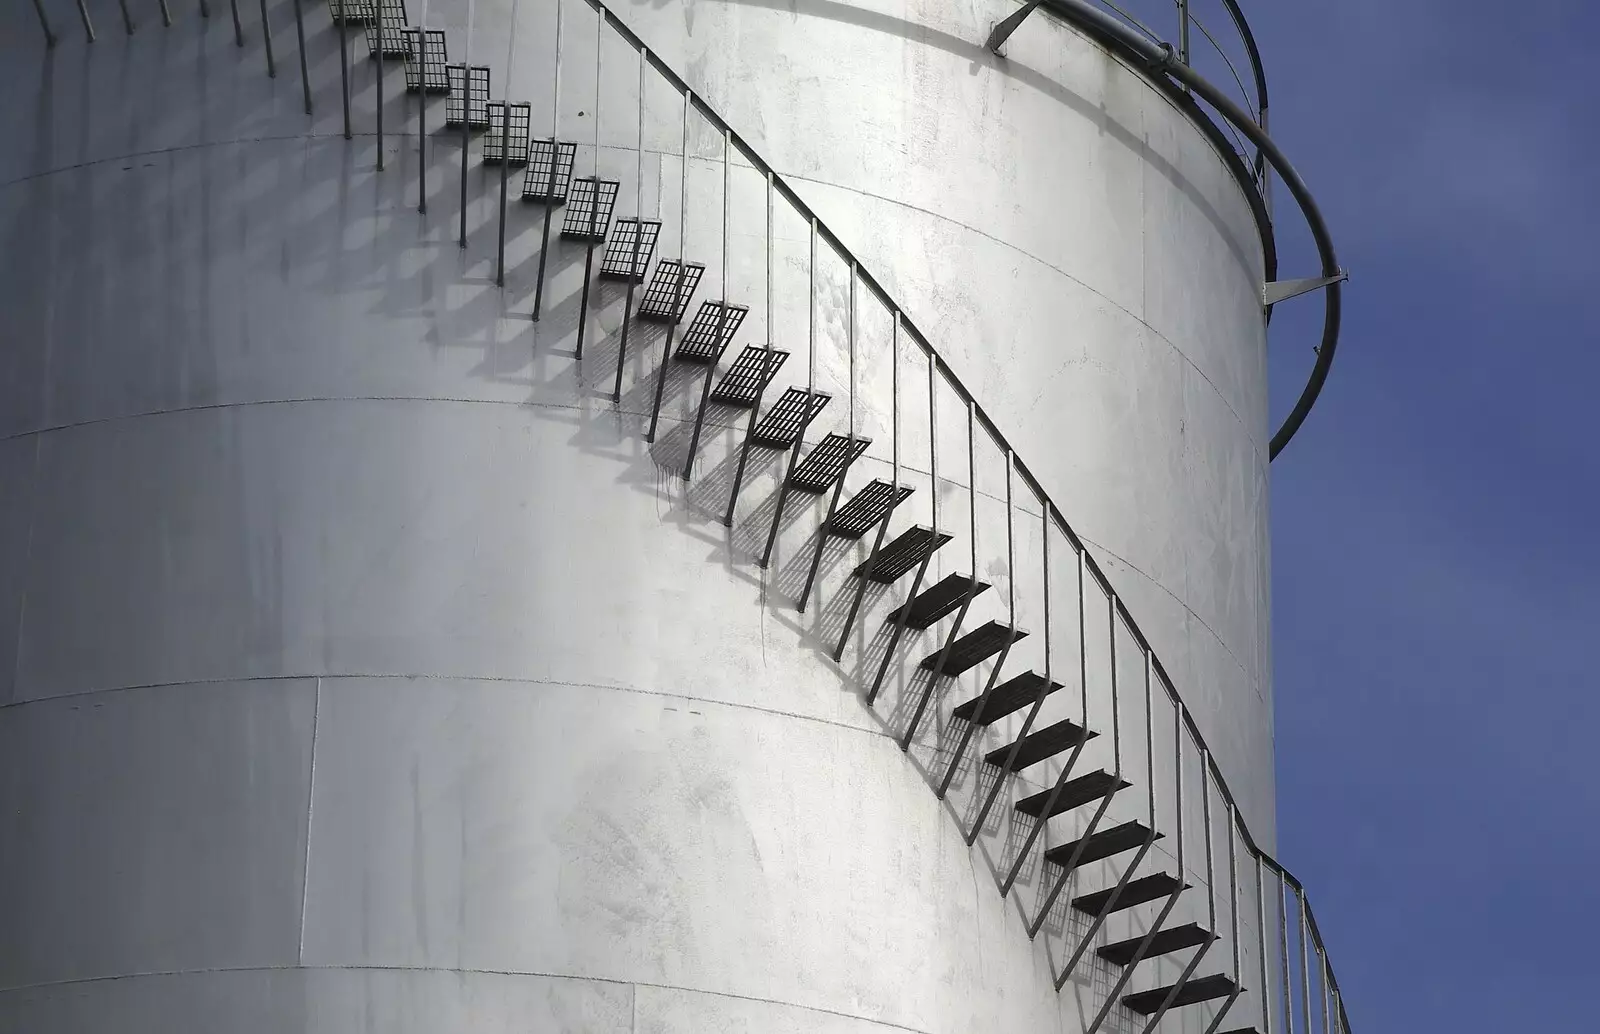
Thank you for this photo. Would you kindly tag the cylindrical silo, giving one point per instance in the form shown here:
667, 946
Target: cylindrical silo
406, 625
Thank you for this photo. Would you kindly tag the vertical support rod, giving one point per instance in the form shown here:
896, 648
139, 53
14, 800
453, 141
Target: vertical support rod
634, 272
233, 7
88, 26
783, 497
1283, 948
761, 386
1183, 31
1066, 769
1305, 974
1327, 1018
677, 283
1261, 946
550, 186
344, 66
899, 625
894, 398
861, 589
505, 176
166, 14
205, 9
971, 835
594, 212
936, 674
1211, 898
705, 392
850, 339
127, 19
266, 36
44, 23
722, 327
300, 38
822, 538
422, 117
933, 441
377, 13
972, 486
977, 718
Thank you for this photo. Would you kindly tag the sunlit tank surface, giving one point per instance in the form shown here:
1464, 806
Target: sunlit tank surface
363, 667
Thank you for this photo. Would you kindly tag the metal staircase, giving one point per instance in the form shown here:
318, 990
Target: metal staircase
924, 644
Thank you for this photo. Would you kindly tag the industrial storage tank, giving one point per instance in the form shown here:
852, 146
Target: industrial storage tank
533, 515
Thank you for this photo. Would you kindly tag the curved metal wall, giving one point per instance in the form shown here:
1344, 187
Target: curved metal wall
369, 670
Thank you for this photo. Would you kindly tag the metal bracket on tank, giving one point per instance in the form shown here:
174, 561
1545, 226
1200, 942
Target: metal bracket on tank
1282, 290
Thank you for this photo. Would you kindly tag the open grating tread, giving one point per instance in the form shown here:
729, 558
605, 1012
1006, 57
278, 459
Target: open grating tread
1075, 793
548, 176
1165, 942
867, 508
972, 649
356, 12
1107, 843
666, 300
395, 43
1037, 746
788, 419
498, 146
909, 548
1201, 989
633, 244
469, 96
939, 600
827, 462
1138, 892
744, 382
710, 332
589, 206
425, 65
1007, 698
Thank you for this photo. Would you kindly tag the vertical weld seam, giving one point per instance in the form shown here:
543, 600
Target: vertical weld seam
311, 796
26, 565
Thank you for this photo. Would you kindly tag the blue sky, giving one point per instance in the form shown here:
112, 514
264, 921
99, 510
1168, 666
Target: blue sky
1436, 563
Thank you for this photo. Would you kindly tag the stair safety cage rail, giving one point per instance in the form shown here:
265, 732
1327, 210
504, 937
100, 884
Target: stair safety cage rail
549, 178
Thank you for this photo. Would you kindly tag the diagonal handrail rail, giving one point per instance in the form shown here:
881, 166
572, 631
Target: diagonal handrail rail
1163, 62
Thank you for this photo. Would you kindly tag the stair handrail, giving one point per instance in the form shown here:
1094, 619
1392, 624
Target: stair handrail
781, 185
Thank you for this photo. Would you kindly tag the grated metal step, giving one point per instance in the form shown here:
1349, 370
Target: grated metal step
1147, 888
633, 244
935, 602
710, 332
869, 506
1046, 743
1204, 989
589, 205
1104, 844
666, 300
749, 376
1074, 794
910, 548
972, 649
827, 462
786, 421
1007, 698
1165, 942
549, 173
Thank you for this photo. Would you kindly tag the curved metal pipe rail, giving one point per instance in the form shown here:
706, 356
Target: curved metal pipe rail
1160, 60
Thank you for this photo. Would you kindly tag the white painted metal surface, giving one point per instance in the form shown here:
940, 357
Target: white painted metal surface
361, 666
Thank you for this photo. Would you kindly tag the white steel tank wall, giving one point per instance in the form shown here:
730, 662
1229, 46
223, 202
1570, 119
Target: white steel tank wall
368, 669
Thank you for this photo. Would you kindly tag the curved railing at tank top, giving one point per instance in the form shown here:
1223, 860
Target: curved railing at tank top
1159, 62
1113, 23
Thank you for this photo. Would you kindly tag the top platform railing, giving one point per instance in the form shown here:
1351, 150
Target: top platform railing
1213, 38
